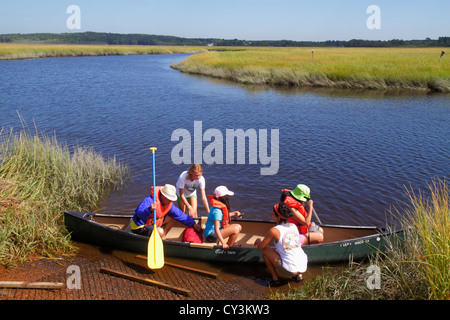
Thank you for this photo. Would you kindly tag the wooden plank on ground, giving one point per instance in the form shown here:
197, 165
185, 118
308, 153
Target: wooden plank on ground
31, 285
195, 270
146, 281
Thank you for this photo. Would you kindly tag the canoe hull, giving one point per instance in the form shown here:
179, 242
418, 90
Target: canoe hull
84, 228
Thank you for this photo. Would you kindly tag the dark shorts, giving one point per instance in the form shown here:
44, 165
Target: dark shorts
145, 231
212, 238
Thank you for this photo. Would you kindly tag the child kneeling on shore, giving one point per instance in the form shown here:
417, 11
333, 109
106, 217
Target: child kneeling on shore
289, 259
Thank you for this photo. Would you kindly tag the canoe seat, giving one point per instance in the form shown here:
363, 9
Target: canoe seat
203, 221
206, 245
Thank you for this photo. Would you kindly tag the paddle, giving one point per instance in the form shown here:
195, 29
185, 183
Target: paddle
155, 250
315, 215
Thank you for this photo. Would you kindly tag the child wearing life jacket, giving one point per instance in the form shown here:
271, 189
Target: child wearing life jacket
218, 226
296, 199
288, 259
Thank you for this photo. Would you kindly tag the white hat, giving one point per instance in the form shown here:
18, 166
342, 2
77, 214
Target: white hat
222, 191
169, 192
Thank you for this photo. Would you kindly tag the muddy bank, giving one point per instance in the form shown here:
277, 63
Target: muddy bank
233, 283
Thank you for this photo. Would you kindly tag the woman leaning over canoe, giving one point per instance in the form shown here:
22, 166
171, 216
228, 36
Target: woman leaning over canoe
218, 226
288, 259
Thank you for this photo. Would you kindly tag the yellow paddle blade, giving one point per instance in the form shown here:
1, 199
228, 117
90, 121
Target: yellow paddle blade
155, 251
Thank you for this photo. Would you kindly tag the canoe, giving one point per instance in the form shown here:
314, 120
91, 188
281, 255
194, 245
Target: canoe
341, 243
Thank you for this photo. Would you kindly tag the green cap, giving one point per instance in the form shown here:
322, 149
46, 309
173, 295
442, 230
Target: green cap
301, 192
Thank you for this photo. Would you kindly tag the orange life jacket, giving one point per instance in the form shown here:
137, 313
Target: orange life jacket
293, 203
161, 210
217, 204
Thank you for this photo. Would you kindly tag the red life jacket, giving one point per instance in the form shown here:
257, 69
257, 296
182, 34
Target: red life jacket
293, 203
161, 210
217, 204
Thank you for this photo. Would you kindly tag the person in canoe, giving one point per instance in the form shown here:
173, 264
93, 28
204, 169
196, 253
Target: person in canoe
166, 213
218, 226
187, 185
288, 259
296, 200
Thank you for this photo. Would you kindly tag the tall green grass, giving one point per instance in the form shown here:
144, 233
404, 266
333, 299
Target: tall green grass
419, 269
39, 179
360, 68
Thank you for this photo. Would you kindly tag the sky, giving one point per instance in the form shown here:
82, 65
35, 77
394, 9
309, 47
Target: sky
297, 20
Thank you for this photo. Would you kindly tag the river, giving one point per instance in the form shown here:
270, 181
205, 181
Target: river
357, 151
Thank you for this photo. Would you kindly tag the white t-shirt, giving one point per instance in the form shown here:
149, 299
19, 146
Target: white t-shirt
290, 249
190, 187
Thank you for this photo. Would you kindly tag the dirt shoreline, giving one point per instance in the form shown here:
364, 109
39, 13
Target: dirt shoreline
230, 284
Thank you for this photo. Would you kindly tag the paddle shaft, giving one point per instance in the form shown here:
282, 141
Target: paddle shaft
317, 217
154, 185
155, 255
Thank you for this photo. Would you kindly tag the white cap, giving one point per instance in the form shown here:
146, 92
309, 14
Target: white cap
222, 191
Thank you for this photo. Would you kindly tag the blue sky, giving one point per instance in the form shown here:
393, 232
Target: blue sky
241, 19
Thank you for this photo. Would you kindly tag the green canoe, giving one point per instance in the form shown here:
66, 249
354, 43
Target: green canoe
341, 242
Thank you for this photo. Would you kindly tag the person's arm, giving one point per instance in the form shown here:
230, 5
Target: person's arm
144, 211
205, 200
219, 234
186, 203
273, 234
180, 216
310, 211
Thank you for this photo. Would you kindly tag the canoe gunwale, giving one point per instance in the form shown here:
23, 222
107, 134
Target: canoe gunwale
245, 252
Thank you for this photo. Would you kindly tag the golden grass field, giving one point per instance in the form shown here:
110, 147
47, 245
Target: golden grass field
12, 51
372, 68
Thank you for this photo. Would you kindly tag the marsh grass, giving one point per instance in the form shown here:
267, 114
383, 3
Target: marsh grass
360, 68
418, 269
13, 51
39, 179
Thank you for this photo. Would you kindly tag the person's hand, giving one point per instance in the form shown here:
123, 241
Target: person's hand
197, 227
225, 246
310, 203
153, 206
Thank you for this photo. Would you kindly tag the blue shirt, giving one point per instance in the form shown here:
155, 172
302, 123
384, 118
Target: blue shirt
214, 214
143, 213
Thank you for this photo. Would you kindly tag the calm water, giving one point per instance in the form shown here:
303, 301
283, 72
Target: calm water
356, 151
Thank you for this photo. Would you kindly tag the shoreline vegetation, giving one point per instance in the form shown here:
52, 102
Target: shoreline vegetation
39, 179
418, 270
394, 68
20, 51
340, 68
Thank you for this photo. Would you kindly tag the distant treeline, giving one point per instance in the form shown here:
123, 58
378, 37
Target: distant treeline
148, 39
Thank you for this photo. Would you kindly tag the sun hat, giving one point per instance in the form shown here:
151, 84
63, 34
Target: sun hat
301, 192
169, 192
222, 191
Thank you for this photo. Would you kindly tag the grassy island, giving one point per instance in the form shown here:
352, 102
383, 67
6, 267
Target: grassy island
356, 68
17, 51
